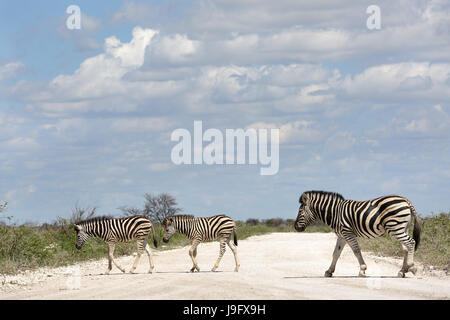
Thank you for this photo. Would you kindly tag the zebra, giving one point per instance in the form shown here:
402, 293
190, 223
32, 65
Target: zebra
369, 219
113, 230
203, 230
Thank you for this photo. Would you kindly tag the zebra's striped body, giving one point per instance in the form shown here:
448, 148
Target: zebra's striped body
203, 230
113, 230
350, 219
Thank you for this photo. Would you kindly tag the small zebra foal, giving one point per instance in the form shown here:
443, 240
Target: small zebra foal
203, 230
350, 219
113, 230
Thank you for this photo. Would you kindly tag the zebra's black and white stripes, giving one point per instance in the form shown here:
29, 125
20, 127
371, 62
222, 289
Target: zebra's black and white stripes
113, 230
202, 230
351, 219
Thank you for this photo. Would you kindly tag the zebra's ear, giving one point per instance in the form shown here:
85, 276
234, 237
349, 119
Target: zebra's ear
302, 199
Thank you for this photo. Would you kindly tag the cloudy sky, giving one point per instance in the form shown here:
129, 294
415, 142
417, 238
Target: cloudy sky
86, 115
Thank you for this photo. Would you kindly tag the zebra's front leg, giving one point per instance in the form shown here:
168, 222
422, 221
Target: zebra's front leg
111, 247
221, 252
340, 244
193, 254
353, 243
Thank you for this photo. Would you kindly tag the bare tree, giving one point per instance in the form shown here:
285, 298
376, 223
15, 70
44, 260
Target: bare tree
3, 206
79, 213
130, 211
160, 206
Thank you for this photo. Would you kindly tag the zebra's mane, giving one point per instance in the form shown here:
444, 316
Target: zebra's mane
187, 216
325, 193
94, 219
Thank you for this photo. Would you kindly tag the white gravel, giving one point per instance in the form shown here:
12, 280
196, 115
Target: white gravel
273, 266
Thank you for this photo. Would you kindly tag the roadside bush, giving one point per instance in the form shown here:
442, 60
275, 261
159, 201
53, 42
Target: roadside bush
252, 222
274, 222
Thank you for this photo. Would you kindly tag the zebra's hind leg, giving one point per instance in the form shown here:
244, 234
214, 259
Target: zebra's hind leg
140, 248
353, 243
408, 253
111, 247
340, 244
150, 259
193, 254
233, 248
221, 252
109, 262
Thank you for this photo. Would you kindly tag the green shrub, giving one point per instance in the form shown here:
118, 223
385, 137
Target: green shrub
274, 222
252, 222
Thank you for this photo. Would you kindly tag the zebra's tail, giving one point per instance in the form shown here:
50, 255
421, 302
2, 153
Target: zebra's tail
417, 226
155, 239
235, 237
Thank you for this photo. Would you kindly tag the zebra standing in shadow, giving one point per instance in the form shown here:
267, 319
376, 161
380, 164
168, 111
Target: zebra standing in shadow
113, 230
369, 219
202, 230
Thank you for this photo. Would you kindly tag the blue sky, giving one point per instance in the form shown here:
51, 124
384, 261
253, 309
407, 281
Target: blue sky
86, 115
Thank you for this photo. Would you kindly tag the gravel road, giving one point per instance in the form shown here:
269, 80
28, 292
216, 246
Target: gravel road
273, 266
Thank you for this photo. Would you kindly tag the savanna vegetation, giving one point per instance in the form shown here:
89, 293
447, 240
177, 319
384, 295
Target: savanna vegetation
30, 246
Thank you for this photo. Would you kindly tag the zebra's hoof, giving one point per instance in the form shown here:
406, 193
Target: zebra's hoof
328, 274
213, 269
401, 274
413, 270
236, 269
150, 271
362, 274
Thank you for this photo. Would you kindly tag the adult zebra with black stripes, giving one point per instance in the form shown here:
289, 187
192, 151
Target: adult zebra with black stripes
370, 219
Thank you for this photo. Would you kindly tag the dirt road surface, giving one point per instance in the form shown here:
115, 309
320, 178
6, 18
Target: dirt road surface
273, 266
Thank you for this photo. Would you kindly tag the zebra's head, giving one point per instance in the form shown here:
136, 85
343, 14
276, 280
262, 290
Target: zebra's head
169, 228
82, 236
305, 216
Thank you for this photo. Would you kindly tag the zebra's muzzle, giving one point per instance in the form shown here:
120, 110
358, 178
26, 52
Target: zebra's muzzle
299, 227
